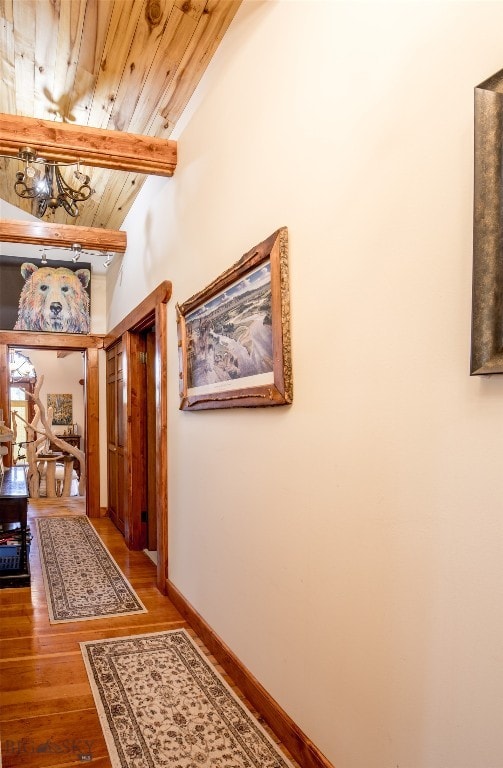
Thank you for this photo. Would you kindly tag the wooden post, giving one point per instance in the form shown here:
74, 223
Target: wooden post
50, 478
67, 478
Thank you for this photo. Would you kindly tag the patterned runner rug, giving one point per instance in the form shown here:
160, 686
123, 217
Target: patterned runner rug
161, 703
81, 579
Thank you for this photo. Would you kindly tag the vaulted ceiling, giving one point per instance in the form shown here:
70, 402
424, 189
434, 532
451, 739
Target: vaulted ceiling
122, 65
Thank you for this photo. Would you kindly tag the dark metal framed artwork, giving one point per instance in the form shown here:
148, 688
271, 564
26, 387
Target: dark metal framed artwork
487, 292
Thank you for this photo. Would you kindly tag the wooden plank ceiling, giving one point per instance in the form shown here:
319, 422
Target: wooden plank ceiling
124, 65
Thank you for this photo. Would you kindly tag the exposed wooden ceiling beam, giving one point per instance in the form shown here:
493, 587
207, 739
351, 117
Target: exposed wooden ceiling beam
96, 147
63, 235
34, 339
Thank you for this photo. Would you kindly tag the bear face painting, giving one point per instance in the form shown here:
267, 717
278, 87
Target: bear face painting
54, 299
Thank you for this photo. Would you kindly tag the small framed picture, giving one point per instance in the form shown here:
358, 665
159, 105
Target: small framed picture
62, 409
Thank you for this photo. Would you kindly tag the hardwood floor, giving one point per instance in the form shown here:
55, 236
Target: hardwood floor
47, 712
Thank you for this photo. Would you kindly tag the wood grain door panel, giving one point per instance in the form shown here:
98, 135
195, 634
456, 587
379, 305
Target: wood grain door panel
115, 436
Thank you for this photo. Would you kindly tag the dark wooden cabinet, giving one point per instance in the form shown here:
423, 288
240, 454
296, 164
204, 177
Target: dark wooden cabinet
15, 566
72, 440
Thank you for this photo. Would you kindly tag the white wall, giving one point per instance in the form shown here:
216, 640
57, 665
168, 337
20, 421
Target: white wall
348, 548
61, 377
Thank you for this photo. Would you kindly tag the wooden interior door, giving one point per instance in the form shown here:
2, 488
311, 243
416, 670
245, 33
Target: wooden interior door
128, 473
116, 436
151, 452
140, 339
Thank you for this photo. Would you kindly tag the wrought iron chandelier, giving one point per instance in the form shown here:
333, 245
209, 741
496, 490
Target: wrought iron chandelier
21, 367
46, 186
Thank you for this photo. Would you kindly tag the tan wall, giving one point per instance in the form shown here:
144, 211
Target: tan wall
61, 376
348, 549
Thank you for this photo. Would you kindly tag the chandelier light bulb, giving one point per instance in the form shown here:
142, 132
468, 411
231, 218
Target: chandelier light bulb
81, 177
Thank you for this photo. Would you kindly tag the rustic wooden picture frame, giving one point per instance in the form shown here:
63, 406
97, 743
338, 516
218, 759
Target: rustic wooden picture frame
234, 335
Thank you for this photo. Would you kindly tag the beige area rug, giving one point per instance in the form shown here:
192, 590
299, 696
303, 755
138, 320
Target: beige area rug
82, 580
161, 703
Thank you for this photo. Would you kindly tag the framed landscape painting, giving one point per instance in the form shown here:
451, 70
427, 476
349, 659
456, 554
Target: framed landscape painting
234, 335
62, 409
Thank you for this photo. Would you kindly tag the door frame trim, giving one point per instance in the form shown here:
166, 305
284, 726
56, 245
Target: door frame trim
151, 311
89, 345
